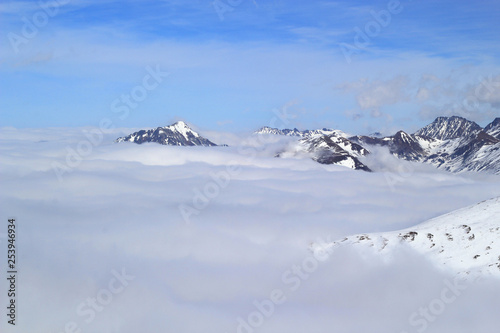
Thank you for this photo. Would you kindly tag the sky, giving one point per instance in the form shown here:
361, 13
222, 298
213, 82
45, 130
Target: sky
119, 212
230, 66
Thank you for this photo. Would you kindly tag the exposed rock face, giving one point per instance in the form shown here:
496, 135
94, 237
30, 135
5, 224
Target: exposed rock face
451, 143
446, 128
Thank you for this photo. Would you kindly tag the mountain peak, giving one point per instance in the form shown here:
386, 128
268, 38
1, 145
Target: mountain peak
180, 123
182, 128
493, 128
299, 133
277, 131
445, 128
177, 134
446, 118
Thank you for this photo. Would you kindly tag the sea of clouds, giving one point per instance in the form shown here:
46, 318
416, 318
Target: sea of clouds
149, 238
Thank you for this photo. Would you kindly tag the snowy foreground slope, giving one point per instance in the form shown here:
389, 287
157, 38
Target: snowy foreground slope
465, 241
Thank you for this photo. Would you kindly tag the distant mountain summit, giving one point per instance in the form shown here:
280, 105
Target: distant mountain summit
325, 146
178, 134
446, 128
451, 143
332, 149
302, 134
493, 128
401, 144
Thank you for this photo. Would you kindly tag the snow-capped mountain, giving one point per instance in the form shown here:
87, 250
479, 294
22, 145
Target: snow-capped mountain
493, 128
465, 241
296, 132
480, 153
450, 143
178, 134
445, 128
401, 144
326, 146
329, 149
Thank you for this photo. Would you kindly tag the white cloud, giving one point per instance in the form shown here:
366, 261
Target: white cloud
487, 90
476, 99
376, 94
457, 92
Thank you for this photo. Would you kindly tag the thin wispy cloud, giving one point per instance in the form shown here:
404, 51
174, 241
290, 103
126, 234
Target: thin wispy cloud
107, 44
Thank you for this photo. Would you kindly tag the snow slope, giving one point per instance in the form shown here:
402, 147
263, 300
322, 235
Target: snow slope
493, 128
450, 143
445, 128
465, 241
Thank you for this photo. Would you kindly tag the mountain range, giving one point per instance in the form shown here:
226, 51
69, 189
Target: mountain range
465, 241
451, 143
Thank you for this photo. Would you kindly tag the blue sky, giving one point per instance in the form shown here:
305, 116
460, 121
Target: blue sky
231, 63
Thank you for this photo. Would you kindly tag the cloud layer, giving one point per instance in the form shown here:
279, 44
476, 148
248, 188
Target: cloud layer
118, 212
